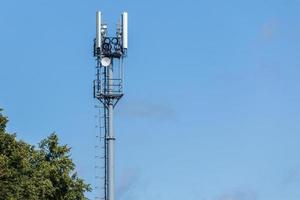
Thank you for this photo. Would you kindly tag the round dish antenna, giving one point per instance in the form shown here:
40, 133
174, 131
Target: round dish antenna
105, 61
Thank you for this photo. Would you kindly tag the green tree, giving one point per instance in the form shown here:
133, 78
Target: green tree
29, 173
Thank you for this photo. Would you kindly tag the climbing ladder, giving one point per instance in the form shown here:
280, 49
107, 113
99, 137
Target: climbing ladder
100, 152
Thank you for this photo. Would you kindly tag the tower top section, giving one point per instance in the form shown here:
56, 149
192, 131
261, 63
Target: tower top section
107, 46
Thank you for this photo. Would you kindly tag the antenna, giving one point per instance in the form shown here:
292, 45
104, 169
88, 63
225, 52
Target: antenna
125, 30
108, 90
98, 30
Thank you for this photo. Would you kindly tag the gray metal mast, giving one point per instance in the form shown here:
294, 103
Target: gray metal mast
108, 89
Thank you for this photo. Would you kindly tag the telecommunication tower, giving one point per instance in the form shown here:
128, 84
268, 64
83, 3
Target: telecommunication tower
109, 53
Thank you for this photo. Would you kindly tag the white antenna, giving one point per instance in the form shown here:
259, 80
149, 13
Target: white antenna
125, 30
98, 29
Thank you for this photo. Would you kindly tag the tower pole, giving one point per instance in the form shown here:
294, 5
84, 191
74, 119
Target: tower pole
110, 137
108, 89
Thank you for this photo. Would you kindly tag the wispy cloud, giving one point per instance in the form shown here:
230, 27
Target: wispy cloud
147, 109
292, 176
126, 185
241, 195
270, 29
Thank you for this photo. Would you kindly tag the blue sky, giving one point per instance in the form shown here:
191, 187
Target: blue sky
211, 110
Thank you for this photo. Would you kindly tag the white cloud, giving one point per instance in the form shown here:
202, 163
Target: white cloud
238, 196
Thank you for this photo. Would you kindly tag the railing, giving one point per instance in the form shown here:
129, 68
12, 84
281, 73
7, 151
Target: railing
101, 89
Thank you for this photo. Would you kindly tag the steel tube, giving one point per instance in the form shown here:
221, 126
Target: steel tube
110, 138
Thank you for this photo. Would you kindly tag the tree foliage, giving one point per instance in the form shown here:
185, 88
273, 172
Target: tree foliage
30, 173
